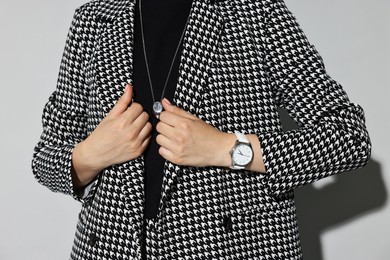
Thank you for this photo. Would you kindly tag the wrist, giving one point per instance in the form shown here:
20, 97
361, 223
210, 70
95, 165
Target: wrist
84, 167
223, 147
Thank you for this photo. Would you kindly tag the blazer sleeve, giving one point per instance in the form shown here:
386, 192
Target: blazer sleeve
64, 115
332, 137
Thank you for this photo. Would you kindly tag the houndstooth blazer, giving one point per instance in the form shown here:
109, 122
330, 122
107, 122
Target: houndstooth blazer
242, 59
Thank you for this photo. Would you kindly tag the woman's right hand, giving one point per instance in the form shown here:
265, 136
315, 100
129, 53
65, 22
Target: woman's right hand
121, 136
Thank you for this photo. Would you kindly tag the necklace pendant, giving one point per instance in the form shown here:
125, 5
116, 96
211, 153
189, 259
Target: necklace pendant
157, 109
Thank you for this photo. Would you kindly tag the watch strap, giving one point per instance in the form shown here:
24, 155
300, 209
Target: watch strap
242, 138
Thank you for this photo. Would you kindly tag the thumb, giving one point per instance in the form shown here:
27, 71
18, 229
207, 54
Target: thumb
176, 110
123, 102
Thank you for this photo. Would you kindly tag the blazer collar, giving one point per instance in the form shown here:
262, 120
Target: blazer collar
109, 10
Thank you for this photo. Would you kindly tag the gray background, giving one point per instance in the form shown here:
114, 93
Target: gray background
342, 218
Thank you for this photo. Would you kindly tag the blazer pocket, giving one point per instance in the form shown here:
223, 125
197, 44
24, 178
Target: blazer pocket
86, 238
271, 229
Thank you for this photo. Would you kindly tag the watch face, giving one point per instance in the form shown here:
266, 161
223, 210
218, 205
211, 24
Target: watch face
242, 154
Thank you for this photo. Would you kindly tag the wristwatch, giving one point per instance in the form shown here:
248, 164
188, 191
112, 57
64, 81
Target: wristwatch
241, 153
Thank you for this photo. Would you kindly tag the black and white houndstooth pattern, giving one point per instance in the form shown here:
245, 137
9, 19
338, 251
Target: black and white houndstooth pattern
242, 59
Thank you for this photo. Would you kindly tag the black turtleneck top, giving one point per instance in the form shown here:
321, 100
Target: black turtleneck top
163, 22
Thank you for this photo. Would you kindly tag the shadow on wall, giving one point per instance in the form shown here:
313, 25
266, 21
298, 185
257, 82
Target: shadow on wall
347, 197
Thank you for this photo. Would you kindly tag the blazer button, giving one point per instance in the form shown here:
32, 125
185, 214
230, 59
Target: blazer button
227, 224
92, 240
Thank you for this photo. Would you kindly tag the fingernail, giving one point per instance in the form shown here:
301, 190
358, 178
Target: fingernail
167, 102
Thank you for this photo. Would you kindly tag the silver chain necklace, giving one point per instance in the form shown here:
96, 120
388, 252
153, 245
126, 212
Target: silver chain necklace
157, 106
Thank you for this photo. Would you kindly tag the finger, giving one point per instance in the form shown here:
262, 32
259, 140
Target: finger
166, 154
133, 112
123, 102
146, 142
165, 142
165, 129
145, 131
176, 110
140, 121
170, 118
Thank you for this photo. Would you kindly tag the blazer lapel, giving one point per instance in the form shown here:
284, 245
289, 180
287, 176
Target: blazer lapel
200, 42
114, 66
115, 52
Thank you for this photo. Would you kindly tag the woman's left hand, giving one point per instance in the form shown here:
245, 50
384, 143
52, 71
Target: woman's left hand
187, 140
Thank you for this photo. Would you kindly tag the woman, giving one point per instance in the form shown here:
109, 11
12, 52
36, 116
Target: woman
207, 173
